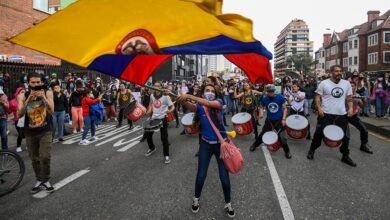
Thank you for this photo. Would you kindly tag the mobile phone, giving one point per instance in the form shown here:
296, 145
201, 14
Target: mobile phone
37, 88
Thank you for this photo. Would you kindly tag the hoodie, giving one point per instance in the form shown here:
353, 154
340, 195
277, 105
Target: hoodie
13, 104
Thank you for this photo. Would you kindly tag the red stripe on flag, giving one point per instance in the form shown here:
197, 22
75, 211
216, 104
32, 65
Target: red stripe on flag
256, 67
142, 66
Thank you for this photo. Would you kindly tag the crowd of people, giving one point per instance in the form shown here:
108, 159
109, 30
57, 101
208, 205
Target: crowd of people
42, 105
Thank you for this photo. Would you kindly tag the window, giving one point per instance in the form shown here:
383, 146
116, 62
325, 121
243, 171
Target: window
350, 44
323, 53
41, 5
350, 61
355, 44
345, 47
345, 62
372, 58
386, 57
373, 40
386, 37
355, 60
333, 50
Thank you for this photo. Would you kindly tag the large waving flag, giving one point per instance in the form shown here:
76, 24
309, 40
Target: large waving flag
129, 39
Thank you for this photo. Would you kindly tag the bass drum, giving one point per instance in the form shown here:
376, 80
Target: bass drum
242, 123
134, 111
270, 139
333, 136
297, 126
188, 123
152, 125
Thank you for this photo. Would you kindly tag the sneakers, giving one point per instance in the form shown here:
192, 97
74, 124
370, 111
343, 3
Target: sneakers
94, 138
36, 188
19, 149
60, 139
150, 152
167, 160
131, 128
346, 159
195, 205
74, 131
119, 125
84, 142
310, 155
229, 210
252, 148
47, 187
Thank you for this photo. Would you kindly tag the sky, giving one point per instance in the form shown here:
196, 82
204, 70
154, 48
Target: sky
270, 17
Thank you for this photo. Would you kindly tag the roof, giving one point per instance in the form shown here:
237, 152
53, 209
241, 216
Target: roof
384, 25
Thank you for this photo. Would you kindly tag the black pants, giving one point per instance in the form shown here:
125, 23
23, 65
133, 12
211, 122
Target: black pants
251, 111
328, 119
20, 135
121, 115
277, 126
164, 138
176, 116
293, 112
355, 121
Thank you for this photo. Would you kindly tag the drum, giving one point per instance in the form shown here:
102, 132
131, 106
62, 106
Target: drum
242, 123
152, 125
135, 111
297, 126
270, 139
333, 136
188, 123
170, 117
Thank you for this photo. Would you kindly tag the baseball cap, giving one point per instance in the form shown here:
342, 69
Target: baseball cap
271, 88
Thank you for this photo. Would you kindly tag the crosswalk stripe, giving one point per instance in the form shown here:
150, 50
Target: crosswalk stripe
127, 147
80, 133
119, 135
62, 183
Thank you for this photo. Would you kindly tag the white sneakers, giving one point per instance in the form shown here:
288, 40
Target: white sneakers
94, 138
19, 149
74, 131
167, 160
84, 142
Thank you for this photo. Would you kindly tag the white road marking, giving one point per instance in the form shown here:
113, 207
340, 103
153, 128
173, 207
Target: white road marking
125, 148
100, 134
283, 201
103, 128
119, 135
42, 194
122, 142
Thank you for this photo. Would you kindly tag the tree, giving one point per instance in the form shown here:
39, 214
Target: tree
300, 62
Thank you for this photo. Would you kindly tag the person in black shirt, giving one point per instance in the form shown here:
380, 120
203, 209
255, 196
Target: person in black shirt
60, 109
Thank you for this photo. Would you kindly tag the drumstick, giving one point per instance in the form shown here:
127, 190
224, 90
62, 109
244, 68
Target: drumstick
149, 86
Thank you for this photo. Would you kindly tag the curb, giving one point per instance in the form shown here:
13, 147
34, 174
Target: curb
380, 130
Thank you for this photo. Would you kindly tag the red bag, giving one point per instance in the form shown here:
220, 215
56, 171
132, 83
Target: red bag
230, 154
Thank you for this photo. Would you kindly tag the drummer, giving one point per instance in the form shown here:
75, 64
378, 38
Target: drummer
296, 101
359, 102
160, 105
124, 98
334, 93
275, 104
249, 103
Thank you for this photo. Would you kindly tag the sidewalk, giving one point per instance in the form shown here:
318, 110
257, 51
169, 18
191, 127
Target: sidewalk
380, 126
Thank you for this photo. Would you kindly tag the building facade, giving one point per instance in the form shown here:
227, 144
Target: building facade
293, 39
218, 63
362, 48
17, 16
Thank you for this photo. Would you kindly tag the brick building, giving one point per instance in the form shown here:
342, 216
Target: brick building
17, 16
362, 48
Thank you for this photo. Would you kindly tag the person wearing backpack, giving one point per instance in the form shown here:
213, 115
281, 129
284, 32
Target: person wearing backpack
209, 143
87, 101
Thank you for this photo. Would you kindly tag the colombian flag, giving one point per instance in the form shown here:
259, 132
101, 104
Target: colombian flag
129, 39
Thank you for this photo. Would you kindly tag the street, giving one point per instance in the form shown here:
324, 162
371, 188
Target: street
112, 179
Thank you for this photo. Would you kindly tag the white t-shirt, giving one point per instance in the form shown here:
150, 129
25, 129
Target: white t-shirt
296, 103
160, 106
334, 95
184, 90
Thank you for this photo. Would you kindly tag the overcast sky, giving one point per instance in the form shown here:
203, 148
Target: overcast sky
270, 17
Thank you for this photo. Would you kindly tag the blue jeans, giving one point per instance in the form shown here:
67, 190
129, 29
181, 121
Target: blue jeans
308, 103
380, 106
227, 103
3, 133
88, 124
58, 124
234, 106
206, 151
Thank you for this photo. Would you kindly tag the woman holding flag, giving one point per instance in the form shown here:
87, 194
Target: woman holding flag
209, 144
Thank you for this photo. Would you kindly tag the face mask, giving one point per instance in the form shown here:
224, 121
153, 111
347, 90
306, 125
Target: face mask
25, 78
209, 96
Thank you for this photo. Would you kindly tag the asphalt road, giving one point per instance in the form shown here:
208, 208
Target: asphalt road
100, 182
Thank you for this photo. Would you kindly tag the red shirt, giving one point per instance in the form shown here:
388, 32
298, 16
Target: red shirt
86, 103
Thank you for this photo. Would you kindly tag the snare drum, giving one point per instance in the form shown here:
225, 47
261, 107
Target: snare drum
297, 126
170, 117
270, 139
188, 123
135, 111
242, 123
152, 125
333, 136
